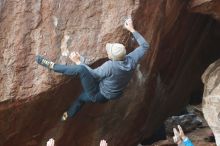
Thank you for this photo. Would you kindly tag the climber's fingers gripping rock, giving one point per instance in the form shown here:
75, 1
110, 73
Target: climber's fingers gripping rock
75, 57
128, 24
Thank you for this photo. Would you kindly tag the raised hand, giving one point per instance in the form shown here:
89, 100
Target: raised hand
181, 133
179, 136
176, 137
51, 142
103, 143
128, 24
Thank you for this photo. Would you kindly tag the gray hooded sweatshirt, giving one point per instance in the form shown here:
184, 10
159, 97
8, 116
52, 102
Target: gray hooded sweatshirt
114, 76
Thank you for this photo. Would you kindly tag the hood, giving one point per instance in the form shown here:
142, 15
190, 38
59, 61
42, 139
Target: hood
126, 65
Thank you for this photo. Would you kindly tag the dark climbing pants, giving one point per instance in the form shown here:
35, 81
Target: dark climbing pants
90, 86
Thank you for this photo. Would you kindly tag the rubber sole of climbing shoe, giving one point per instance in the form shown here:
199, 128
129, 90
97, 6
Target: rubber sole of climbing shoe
44, 62
64, 117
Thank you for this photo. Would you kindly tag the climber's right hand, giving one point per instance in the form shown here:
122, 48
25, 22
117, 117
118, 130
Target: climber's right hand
128, 24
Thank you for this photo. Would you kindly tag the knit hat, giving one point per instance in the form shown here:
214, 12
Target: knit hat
116, 51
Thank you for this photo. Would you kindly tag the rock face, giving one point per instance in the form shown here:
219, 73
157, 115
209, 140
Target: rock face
211, 99
48, 28
209, 7
32, 98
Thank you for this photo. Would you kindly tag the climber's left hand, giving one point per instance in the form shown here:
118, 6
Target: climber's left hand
75, 57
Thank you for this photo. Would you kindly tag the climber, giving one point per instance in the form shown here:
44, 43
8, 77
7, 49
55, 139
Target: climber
108, 80
180, 138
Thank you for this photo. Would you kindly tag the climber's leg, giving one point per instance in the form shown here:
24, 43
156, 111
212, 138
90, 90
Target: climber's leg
76, 105
89, 83
44, 62
80, 101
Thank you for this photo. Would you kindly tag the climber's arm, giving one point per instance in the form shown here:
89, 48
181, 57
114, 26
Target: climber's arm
98, 73
139, 52
103, 71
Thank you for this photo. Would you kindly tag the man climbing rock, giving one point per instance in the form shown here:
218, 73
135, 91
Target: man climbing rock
108, 80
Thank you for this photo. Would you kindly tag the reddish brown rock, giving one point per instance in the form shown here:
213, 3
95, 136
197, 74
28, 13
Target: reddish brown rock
32, 98
209, 7
164, 143
37, 27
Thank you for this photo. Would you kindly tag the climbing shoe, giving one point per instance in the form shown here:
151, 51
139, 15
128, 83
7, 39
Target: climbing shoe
64, 117
44, 62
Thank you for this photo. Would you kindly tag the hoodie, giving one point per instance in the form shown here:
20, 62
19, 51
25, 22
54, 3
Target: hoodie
114, 76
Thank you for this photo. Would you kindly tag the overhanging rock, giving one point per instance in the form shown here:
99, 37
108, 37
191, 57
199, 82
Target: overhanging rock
33, 98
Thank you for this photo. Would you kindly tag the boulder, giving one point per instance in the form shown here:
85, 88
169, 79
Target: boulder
32, 99
211, 98
207, 7
188, 122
